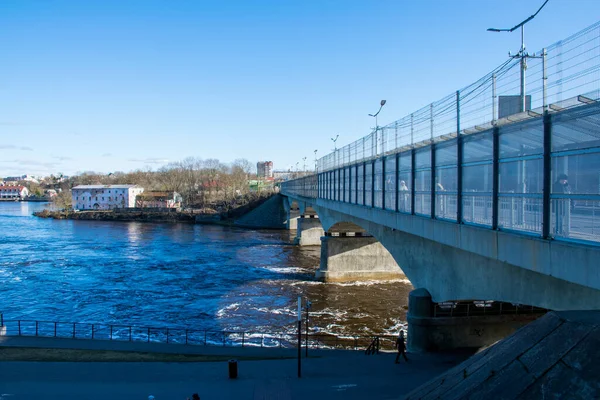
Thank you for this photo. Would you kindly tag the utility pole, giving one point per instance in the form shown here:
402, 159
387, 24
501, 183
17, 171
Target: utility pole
381, 104
522, 54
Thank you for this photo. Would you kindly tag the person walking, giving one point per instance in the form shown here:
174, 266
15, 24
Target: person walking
562, 205
401, 347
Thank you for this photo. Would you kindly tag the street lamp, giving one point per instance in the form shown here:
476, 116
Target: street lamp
315, 160
304, 159
335, 149
381, 104
521, 53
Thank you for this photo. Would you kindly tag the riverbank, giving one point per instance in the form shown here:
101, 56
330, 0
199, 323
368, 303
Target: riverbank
135, 216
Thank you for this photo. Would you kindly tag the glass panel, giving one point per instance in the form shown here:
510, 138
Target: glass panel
368, 184
575, 208
423, 192
423, 158
576, 129
390, 183
360, 184
445, 155
405, 182
378, 183
445, 192
478, 147
522, 139
347, 184
520, 202
477, 194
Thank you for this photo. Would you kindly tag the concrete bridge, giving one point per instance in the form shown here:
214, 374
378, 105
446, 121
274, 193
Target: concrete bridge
500, 225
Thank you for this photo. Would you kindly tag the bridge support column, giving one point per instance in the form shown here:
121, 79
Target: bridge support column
352, 258
309, 231
292, 218
426, 332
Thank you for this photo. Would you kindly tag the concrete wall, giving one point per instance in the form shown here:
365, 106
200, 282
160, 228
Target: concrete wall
355, 258
269, 215
428, 333
460, 262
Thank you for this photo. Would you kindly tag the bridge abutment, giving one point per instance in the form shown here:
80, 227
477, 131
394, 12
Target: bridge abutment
350, 258
309, 231
427, 332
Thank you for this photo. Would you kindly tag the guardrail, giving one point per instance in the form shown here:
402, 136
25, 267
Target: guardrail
182, 336
482, 308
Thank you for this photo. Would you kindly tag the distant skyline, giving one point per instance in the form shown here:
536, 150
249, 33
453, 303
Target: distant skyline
118, 85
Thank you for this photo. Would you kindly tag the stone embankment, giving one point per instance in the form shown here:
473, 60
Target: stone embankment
139, 216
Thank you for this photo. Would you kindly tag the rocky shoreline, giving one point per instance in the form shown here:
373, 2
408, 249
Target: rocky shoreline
138, 216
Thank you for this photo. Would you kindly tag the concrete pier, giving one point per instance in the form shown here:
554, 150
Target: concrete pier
293, 215
309, 231
350, 258
428, 333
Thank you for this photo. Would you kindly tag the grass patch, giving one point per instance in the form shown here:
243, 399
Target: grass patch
79, 355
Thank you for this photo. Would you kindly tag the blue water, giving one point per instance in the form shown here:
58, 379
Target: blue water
176, 275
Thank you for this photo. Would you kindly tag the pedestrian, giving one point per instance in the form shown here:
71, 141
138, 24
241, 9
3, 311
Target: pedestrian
404, 196
401, 347
562, 206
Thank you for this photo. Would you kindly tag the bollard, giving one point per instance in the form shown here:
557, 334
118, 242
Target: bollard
233, 369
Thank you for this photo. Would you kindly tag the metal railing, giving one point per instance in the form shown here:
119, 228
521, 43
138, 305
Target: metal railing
199, 337
563, 70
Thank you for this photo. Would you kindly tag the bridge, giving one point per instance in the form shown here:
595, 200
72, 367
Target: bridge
468, 199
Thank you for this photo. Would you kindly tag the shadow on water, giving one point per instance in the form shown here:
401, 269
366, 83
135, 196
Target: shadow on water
178, 275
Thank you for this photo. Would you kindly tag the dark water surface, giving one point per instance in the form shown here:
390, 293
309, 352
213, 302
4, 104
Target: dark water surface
177, 275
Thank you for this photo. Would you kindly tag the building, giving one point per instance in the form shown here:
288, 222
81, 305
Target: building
264, 169
104, 197
13, 192
22, 178
154, 199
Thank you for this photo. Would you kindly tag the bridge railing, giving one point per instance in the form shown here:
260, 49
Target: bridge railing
563, 70
171, 335
535, 172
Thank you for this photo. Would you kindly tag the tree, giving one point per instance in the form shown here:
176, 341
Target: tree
62, 200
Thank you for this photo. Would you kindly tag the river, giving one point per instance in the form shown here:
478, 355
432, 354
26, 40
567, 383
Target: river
180, 276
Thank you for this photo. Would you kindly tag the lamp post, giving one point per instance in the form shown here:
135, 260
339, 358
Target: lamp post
335, 150
316, 162
381, 104
522, 54
304, 164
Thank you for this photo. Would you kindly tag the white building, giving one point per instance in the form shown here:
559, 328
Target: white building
13, 192
104, 197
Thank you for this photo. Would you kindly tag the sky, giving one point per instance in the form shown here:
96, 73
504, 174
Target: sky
119, 85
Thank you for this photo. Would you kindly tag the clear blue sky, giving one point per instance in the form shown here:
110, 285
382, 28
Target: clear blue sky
109, 85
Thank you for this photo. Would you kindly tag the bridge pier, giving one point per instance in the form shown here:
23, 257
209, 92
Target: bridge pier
309, 231
349, 258
426, 332
292, 216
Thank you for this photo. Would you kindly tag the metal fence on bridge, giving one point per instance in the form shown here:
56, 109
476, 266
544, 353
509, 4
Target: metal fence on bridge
534, 172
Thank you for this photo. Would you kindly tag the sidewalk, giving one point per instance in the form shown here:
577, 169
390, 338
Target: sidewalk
332, 375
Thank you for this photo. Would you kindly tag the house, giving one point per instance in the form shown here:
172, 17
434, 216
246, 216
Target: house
13, 192
155, 199
104, 197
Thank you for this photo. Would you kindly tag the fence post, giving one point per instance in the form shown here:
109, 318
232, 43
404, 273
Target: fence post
186, 336
546, 203
92, 331
36, 328
459, 161
55, 329
412, 180
130, 333
495, 176
73, 330
19, 323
